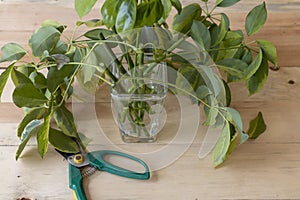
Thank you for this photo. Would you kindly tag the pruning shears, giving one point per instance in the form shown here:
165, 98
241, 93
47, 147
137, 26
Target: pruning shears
83, 164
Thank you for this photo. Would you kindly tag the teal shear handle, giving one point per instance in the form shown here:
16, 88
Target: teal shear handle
96, 159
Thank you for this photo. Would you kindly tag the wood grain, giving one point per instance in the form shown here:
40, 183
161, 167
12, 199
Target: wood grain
18, 19
267, 168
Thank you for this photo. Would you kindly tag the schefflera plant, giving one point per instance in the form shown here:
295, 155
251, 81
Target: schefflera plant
43, 85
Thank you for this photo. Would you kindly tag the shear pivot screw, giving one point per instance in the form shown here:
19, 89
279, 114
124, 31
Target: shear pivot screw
78, 159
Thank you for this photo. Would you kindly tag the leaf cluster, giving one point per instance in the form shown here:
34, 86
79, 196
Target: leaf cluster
43, 85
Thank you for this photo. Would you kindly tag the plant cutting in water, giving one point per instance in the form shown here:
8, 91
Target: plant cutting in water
114, 49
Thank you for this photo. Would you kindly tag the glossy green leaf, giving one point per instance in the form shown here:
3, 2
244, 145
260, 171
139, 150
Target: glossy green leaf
11, 52
4, 77
109, 12
54, 24
253, 67
84, 7
228, 93
62, 142
149, 13
233, 67
222, 30
233, 38
33, 114
43, 136
56, 77
255, 83
19, 78
235, 118
95, 33
202, 92
90, 23
269, 51
183, 22
226, 3
211, 110
39, 80
226, 21
247, 57
60, 48
44, 39
167, 5
26, 95
177, 5
188, 79
32, 128
126, 16
200, 34
232, 146
256, 18
221, 148
257, 126
65, 121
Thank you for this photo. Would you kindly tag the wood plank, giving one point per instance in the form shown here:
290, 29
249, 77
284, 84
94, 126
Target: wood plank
282, 27
267, 168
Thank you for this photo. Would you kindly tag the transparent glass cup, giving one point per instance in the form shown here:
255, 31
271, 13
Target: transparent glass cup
137, 101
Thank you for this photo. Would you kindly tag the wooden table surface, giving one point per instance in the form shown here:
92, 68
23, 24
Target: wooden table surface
267, 168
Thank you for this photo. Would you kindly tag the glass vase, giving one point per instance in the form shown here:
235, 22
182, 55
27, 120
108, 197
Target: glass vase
137, 101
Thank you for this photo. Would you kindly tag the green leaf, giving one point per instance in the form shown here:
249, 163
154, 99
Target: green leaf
19, 78
60, 48
32, 128
33, 114
228, 93
211, 110
149, 13
43, 136
200, 34
202, 92
109, 12
235, 118
44, 39
223, 28
222, 146
126, 16
247, 57
233, 38
218, 2
90, 23
256, 18
232, 146
39, 80
234, 67
62, 142
84, 7
257, 126
54, 24
269, 51
4, 77
95, 33
26, 95
183, 21
226, 20
11, 52
56, 77
226, 3
167, 5
253, 67
177, 5
65, 121
255, 83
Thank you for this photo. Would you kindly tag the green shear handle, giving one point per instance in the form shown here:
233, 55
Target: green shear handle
96, 159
